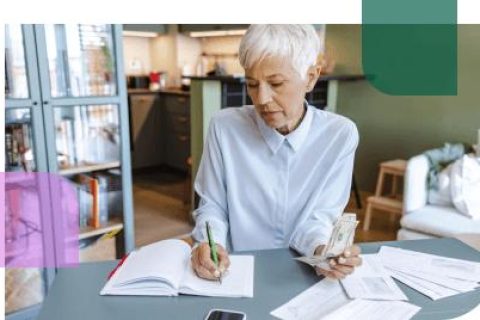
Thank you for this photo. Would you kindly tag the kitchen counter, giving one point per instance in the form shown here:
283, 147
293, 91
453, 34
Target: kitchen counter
217, 78
176, 91
339, 77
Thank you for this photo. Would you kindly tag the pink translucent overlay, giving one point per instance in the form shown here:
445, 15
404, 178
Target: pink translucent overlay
41, 213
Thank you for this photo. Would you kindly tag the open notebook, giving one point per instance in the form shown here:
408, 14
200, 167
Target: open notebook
164, 269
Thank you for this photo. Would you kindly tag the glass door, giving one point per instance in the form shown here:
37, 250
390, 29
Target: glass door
25, 288
81, 60
81, 72
65, 114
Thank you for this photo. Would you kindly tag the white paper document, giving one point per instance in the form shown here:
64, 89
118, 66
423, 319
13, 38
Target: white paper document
435, 276
359, 309
317, 301
430, 289
327, 301
372, 281
431, 264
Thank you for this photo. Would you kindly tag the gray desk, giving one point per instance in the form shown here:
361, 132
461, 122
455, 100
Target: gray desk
278, 278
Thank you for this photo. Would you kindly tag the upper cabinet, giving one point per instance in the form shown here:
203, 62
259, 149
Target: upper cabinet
224, 27
157, 28
210, 27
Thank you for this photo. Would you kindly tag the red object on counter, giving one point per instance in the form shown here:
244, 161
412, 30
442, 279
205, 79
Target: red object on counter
154, 77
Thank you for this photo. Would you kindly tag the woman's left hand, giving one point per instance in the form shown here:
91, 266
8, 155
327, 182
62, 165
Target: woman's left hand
342, 265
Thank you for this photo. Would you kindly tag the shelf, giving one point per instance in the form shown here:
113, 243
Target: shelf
88, 167
112, 225
19, 177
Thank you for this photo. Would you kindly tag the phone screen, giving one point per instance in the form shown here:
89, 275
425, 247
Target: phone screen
224, 315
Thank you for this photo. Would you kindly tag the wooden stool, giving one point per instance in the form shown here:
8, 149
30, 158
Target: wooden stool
391, 203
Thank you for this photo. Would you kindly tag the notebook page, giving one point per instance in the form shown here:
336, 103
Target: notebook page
237, 282
157, 261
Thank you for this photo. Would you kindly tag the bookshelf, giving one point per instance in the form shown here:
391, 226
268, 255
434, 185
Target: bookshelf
88, 167
66, 113
112, 228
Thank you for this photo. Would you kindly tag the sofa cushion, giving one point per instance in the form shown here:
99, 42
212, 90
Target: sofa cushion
439, 221
406, 234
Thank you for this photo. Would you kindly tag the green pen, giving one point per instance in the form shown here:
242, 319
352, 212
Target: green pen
213, 248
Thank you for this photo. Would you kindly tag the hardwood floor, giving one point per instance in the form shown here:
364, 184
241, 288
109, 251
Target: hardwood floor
161, 214
159, 209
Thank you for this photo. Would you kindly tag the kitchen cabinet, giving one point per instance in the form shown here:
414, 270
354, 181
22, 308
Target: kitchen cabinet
158, 28
234, 94
160, 129
318, 96
177, 131
210, 27
146, 121
225, 27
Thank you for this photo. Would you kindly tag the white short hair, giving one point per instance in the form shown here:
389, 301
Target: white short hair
297, 42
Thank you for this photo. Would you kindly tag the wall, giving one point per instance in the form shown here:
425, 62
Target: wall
174, 52
163, 50
188, 53
223, 45
136, 49
177, 53
402, 126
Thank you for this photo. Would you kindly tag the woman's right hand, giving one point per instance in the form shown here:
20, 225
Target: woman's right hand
203, 264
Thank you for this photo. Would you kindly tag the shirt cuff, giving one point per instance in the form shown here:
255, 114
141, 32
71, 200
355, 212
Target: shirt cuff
310, 250
308, 243
218, 229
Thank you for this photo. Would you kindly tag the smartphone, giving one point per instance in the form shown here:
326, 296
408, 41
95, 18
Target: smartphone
219, 314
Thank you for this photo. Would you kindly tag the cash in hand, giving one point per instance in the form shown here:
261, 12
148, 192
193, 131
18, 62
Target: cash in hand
341, 238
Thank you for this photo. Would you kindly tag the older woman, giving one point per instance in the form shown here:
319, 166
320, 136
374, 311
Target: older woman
276, 174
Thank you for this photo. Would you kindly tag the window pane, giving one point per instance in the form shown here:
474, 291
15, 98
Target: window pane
24, 287
81, 60
87, 135
16, 85
19, 149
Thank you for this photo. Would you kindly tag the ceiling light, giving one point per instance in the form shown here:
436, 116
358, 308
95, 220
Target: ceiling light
128, 33
217, 33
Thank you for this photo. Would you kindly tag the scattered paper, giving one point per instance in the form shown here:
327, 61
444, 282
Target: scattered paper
430, 263
432, 275
319, 300
372, 281
431, 290
359, 309
327, 301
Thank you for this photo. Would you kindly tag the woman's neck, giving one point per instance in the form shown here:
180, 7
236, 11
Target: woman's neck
286, 130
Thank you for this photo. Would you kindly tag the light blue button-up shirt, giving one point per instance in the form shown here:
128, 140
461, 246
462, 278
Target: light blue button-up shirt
261, 190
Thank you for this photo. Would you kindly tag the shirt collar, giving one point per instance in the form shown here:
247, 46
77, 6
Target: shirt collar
295, 138
271, 136
298, 136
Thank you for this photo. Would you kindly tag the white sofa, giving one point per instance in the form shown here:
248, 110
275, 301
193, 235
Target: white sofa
421, 220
